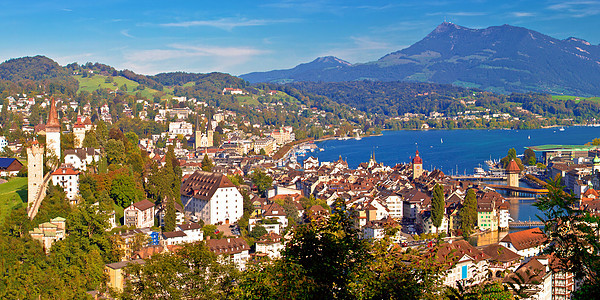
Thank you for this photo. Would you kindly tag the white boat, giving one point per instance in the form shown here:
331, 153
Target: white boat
357, 137
528, 137
562, 129
441, 141
479, 172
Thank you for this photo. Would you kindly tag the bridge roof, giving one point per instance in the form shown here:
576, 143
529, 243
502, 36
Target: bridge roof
562, 148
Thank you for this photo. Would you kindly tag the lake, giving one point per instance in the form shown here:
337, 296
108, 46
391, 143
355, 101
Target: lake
452, 151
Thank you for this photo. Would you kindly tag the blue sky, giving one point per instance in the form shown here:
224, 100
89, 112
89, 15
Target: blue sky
238, 37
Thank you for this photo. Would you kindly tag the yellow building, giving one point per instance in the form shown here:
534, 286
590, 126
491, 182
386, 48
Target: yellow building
116, 276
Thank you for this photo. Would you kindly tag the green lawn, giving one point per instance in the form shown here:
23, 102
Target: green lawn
575, 98
96, 82
12, 193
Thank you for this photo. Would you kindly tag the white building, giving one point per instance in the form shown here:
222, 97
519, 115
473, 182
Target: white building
395, 206
186, 233
3, 142
183, 128
140, 214
233, 249
526, 243
270, 244
68, 179
81, 158
211, 197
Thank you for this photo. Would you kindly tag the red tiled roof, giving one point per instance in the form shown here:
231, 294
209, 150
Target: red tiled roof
526, 238
65, 171
203, 185
513, 167
143, 205
53, 116
227, 245
500, 253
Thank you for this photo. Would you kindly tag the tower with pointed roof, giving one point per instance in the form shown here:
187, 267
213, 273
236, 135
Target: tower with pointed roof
53, 131
512, 174
204, 139
596, 166
372, 161
417, 165
79, 130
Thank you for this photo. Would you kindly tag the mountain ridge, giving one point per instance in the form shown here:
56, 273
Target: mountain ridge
501, 59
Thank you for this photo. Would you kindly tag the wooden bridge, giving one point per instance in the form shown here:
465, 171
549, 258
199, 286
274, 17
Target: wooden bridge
519, 190
525, 224
478, 178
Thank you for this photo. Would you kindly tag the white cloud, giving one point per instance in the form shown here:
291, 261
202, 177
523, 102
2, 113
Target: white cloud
520, 14
125, 32
459, 14
227, 23
576, 9
196, 58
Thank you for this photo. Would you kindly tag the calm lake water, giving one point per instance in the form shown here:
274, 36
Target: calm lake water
452, 151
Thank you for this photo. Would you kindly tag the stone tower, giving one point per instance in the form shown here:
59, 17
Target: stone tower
512, 174
197, 133
209, 134
53, 131
35, 170
417, 166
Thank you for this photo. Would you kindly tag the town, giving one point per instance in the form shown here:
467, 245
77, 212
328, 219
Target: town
215, 178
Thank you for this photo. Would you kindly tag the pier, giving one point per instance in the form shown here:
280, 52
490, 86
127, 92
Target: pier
525, 224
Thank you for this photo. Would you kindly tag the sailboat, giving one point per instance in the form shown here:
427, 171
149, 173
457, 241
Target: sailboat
441, 141
528, 137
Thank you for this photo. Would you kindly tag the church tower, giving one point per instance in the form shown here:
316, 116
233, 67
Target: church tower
53, 131
512, 174
209, 134
596, 166
198, 133
417, 166
35, 170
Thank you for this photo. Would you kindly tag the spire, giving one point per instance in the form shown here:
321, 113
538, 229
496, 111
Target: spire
53, 116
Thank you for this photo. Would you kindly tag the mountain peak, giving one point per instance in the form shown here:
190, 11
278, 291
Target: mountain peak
576, 40
447, 26
331, 60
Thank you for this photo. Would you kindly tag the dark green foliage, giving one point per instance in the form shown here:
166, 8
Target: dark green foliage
437, 205
124, 190
193, 272
115, 152
207, 164
261, 180
512, 155
529, 157
468, 213
170, 217
258, 231
573, 234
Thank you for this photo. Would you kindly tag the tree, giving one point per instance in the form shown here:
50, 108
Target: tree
170, 218
437, 206
330, 253
192, 272
258, 231
124, 191
529, 157
261, 180
468, 213
573, 236
90, 140
115, 152
207, 164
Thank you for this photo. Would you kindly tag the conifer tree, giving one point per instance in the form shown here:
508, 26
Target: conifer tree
207, 164
170, 218
437, 206
468, 213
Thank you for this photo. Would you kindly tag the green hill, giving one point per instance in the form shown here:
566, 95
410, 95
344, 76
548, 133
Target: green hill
12, 193
112, 83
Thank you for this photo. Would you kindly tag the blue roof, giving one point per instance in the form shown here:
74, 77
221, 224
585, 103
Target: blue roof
5, 162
